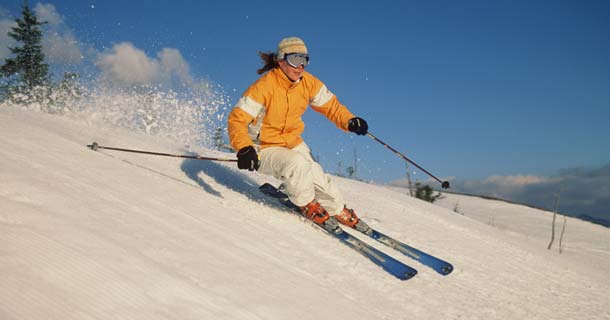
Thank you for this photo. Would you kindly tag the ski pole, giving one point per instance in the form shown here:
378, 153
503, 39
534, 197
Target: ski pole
94, 146
444, 184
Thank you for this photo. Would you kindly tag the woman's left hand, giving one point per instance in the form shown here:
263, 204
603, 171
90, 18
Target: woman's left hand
358, 126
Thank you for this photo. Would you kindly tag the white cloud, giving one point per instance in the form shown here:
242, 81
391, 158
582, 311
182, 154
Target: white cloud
506, 187
122, 65
172, 62
48, 13
583, 190
518, 181
125, 64
6, 23
58, 43
62, 48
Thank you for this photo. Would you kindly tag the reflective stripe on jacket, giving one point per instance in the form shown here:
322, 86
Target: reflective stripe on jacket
269, 112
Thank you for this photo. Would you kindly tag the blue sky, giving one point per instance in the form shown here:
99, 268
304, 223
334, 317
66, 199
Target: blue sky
467, 89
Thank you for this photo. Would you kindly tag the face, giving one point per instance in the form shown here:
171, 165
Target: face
292, 73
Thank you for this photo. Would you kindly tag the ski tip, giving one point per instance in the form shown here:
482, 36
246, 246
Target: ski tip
445, 270
410, 274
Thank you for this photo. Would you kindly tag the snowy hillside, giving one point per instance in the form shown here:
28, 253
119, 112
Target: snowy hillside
108, 235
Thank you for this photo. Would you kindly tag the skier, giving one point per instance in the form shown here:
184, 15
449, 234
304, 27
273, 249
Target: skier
265, 126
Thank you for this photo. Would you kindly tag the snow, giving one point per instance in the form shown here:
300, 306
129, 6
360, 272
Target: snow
109, 235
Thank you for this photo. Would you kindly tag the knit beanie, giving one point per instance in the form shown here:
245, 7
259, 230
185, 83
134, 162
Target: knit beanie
290, 45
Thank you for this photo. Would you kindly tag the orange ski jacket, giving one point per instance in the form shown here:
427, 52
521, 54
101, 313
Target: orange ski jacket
269, 112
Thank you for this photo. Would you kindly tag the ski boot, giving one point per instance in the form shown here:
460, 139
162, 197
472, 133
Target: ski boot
316, 213
348, 217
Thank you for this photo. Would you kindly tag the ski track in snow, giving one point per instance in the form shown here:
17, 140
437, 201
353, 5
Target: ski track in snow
107, 235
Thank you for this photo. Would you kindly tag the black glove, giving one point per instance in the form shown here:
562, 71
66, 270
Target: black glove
358, 126
248, 159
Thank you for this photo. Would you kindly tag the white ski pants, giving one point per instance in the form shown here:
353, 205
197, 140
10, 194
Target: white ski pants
304, 178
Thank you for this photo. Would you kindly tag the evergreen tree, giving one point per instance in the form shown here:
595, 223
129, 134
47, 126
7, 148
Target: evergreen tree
351, 172
27, 69
426, 193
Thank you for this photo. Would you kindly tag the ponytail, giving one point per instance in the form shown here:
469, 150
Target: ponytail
269, 61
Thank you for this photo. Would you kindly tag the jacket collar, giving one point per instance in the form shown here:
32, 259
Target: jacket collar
283, 79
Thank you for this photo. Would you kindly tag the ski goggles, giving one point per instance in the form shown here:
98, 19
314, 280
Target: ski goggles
297, 59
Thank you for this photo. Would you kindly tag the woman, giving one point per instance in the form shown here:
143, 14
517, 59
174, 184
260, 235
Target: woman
267, 120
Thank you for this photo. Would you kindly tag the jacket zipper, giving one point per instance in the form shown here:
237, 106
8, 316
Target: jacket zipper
287, 112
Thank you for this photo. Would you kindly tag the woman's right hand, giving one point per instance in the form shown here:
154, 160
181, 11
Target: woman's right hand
247, 159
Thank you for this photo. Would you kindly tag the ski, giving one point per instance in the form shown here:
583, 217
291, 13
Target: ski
438, 265
387, 263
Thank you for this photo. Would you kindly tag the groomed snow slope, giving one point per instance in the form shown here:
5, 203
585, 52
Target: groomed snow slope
107, 235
